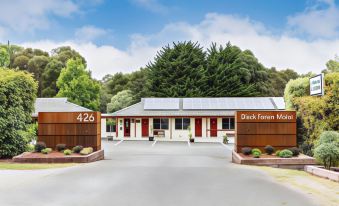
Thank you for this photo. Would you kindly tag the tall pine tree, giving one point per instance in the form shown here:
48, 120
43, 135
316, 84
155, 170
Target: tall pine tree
232, 72
177, 71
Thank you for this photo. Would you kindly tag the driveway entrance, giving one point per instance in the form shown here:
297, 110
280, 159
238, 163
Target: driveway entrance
150, 174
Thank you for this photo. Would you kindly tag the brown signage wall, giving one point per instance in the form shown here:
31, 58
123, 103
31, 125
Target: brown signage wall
256, 129
70, 128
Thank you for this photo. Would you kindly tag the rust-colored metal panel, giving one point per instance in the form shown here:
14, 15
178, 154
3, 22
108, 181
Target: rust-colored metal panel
257, 129
260, 140
272, 128
70, 128
69, 117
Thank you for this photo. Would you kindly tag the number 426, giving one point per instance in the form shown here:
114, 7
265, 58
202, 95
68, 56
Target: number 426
85, 117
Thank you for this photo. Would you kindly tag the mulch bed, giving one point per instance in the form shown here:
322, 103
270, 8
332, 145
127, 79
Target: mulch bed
266, 156
53, 154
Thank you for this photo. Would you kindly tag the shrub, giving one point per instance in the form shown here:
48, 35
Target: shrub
285, 153
39, 146
18, 91
225, 139
327, 149
331, 137
256, 154
46, 151
277, 152
77, 149
269, 149
295, 151
246, 150
60, 147
256, 150
29, 148
86, 151
67, 152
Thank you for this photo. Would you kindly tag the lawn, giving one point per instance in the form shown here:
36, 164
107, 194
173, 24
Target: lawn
27, 166
323, 191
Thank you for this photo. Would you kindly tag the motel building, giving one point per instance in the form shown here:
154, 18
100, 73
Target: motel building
169, 119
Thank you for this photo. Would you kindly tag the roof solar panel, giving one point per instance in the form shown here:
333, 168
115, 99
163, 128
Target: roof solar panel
161, 103
227, 103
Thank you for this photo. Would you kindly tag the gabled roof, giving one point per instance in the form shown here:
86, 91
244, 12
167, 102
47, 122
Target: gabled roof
56, 105
220, 106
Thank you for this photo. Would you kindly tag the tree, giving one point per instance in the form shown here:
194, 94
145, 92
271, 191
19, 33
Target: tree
232, 72
295, 88
36, 66
120, 100
76, 84
21, 62
333, 65
49, 77
327, 149
4, 58
177, 71
65, 53
278, 80
17, 97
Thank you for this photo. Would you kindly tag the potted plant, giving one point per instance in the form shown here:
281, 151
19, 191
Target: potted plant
151, 137
190, 134
225, 139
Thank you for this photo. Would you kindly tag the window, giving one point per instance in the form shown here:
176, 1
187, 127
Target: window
156, 123
228, 123
182, 123
110, 125
160, 123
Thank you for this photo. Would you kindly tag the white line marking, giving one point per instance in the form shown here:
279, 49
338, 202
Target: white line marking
188, 142
116, 144
154, 143
228, 147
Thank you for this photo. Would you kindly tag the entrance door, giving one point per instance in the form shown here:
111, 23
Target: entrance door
198, 128
144, 128
127, 127
214, 127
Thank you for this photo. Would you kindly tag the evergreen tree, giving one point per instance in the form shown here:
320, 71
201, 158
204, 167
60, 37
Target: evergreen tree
232, 72
177, 71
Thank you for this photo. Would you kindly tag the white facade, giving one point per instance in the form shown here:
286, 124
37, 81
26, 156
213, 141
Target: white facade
171, 134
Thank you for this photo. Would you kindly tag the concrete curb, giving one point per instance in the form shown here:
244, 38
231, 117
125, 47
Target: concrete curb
321, 172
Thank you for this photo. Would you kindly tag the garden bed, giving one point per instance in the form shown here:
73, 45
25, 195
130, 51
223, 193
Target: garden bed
271, 160
58, 157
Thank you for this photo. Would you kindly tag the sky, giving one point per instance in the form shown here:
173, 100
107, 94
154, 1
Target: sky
122, 36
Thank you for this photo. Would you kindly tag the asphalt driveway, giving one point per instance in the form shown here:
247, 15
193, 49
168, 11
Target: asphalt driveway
144, 173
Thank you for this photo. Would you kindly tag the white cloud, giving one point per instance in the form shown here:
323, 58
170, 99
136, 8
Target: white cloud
23, 15
282, 51
89, 33
316, 21
152, 5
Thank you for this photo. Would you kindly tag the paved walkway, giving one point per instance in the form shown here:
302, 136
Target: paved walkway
144, 173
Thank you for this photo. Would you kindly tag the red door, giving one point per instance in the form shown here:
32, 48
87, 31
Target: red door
144, 127
198, 128
214, 127
127, 127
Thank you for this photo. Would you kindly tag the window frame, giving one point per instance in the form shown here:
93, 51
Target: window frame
230, 123
182, 125
163, 123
